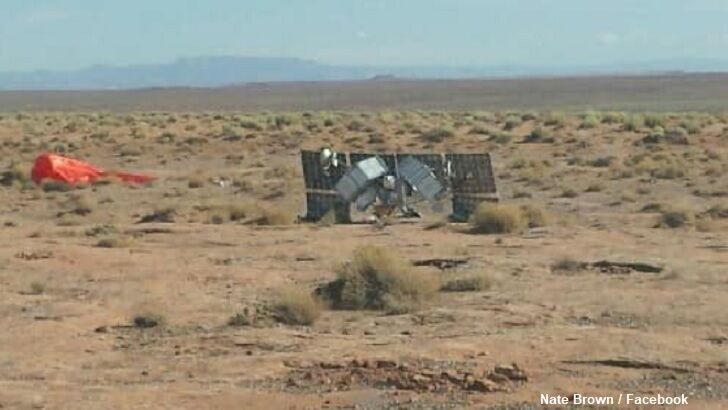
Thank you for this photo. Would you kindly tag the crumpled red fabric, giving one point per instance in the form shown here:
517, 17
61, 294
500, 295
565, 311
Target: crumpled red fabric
72, 171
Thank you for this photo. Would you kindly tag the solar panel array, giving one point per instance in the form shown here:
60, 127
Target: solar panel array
469, 176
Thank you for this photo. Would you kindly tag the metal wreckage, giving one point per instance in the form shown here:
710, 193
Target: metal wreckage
395, 183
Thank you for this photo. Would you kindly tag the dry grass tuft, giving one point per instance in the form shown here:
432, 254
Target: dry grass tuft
535, 216
675, 218
490, 218
147, 320
195, 182
568, 265
115, 241
218, 214
437, 135
595, 187
274, 216
79, 205
163, 215
569, 193
378, 279
56, 186
295, 306
249, 213
36, 288
718, 211
14, 175
438, 224
247, 317
469, 283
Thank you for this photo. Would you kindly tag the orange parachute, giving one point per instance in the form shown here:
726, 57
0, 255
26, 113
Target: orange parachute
71, 171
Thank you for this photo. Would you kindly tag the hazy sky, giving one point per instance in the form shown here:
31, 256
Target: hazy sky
65, 34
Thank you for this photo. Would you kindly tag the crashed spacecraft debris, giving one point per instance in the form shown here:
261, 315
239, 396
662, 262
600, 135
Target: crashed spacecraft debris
391, 183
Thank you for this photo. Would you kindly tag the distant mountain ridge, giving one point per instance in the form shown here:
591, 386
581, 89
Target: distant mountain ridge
224, 71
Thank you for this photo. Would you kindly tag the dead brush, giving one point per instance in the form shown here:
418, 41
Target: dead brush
378, 279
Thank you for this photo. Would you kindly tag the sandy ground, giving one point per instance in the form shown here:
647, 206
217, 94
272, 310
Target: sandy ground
66, 303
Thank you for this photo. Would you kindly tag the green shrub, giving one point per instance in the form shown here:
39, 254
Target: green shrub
655, 120
555, 119
511, 122
589, 120
251, 125
613, 118
633, 122
538, 135
691, 127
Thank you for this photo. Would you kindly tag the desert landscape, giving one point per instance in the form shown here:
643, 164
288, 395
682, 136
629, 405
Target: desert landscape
601, 271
